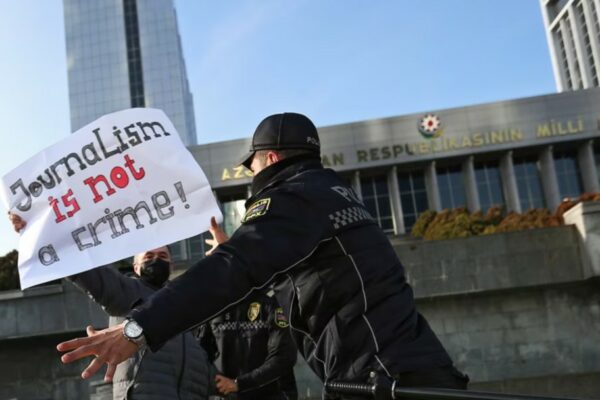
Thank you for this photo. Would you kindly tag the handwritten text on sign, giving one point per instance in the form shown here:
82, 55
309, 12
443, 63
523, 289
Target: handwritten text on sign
121, 185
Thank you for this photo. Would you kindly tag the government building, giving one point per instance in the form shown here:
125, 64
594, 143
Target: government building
517, 154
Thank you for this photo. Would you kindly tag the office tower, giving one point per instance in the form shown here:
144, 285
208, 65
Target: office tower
573, 32
123, 54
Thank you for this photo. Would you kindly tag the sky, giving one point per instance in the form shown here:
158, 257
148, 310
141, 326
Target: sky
336, 61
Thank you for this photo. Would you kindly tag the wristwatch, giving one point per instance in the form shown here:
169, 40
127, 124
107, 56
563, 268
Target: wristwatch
134, 332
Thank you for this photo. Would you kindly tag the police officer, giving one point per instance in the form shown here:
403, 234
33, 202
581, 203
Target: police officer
251, 347
336, 275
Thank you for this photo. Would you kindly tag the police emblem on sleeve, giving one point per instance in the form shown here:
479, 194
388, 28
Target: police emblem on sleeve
280, 318
253, 311
257, 209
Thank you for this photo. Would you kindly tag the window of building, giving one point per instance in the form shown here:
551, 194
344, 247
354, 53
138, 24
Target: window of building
563, 57
529, 183
197, 246
587, 42
451, 187
376, 196
568, 174
179, 251
595, 19
489, 185
577, 81
413, 196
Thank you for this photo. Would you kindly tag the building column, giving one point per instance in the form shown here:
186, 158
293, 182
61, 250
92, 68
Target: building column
509, 183
394, 188
431, 185
549, 181
355, 183
589, 175
468, 171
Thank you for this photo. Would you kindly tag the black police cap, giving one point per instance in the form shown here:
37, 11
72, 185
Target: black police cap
283, 131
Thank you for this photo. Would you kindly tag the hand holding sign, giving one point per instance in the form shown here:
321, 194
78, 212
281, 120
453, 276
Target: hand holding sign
16, 221
120, 185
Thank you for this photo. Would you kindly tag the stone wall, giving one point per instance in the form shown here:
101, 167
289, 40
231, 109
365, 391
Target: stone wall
30, 369
32, 323
519, 312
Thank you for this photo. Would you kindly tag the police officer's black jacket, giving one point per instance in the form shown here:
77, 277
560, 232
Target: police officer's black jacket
337, 277
251, 343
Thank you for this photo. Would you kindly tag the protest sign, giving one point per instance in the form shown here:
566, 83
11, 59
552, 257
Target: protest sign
121, 185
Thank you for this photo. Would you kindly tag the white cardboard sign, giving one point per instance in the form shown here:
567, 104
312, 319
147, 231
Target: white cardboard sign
121, 185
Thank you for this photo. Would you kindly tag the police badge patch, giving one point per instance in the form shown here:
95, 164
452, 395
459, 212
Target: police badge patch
253, 311
280, 318
257, 209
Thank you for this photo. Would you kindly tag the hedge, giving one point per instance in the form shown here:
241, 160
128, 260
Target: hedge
459, 223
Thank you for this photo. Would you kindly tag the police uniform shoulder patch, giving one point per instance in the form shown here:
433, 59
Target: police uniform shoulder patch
257, 209
280, 318
253, 311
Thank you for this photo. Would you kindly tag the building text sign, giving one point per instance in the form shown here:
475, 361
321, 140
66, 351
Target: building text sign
431, 138
121, 185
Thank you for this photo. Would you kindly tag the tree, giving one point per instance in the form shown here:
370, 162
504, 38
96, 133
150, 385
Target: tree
9, 274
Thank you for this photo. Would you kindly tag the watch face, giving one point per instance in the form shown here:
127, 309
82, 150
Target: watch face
132, 329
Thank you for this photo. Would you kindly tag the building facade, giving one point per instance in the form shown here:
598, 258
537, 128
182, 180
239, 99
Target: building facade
123, 54
517, 154
573, 33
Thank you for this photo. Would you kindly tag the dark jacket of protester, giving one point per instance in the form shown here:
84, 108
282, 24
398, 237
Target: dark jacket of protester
251, 343
179, 370
337, 277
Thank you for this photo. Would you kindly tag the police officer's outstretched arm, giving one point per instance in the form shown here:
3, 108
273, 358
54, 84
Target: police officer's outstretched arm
281, 356
277, 234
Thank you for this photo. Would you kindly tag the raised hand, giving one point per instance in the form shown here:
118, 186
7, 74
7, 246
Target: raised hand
109, 346
218, 236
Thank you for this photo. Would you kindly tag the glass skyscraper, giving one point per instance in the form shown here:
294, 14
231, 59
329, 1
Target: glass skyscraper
573, 32
123, 54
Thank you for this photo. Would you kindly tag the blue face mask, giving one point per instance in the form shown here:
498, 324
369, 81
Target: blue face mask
155, 272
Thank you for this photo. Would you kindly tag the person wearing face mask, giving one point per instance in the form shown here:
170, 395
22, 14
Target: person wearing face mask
180, 370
